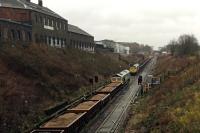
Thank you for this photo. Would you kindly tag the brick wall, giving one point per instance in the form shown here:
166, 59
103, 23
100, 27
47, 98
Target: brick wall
19, 15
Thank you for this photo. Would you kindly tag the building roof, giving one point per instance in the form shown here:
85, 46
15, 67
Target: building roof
23, 4
75, 29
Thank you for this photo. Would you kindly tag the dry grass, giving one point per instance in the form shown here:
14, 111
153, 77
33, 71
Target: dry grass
35, 78
174, 105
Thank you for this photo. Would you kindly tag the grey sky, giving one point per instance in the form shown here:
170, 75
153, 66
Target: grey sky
152, 22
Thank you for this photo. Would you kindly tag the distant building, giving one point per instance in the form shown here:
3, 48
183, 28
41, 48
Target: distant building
111, 46
165, 53
26, 22
109, 43
80, 39
101, 46
122, 49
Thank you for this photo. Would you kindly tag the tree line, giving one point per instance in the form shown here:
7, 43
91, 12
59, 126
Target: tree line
186, 44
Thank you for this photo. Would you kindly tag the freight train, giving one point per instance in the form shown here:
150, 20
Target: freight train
121, 77
73, 119
136, 68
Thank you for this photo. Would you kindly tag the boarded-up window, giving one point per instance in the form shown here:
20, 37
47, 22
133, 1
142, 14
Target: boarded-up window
57, 40
18, 35
29, 36
13, 34
54, 40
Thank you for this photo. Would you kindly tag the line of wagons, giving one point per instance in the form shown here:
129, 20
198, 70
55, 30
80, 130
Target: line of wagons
72, 120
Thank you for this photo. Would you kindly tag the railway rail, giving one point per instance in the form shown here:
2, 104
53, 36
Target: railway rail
115, 119
73, 119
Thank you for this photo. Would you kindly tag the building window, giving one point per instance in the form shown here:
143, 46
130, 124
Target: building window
56, 25
40, 19
23, 35
60, 25
52, 23
48, 22
18, 35
49, 40
54, 41
13, 34
44, 21
29, 36
64, 26
70, 42
52, 44
61, 42
57, 41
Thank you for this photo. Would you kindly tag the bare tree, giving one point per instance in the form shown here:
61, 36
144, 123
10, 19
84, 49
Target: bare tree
185, 45
172, 46
188, 45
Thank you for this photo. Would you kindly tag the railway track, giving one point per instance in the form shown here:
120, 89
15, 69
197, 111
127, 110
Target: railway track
78, 116
118, 113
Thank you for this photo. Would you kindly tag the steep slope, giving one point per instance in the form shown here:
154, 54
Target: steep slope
174, 105
34, 78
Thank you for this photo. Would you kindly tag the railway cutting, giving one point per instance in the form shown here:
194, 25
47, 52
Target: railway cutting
112, 99
117, 112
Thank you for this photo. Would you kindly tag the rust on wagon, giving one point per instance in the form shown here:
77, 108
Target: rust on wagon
47, 131
107, 89
114, 84
83, 107
98, 97
62, 121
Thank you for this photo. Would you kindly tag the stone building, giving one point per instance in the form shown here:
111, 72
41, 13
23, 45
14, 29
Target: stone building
111, 46
121, 49
24, 21
80, 39
12, 31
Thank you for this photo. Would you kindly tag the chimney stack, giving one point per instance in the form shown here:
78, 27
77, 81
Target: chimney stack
40, 3
28, 1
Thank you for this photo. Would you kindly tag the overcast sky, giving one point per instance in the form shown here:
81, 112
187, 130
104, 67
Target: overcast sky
152, 22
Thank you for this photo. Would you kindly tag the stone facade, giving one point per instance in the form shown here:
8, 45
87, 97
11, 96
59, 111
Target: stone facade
81, 40
49, 30
15, 32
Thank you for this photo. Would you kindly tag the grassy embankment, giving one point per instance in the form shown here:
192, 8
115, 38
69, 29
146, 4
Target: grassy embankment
173, 106
35, 78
